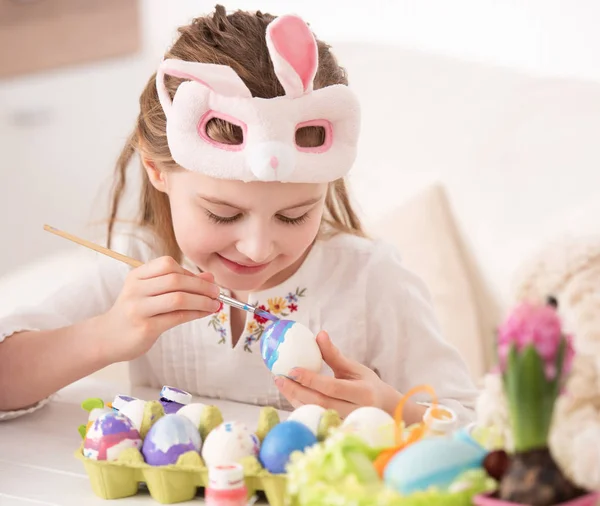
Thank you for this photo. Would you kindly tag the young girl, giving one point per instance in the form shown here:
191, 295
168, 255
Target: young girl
245, 135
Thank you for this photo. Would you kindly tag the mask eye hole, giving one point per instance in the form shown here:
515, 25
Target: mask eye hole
310, 136
314, 136
222, 131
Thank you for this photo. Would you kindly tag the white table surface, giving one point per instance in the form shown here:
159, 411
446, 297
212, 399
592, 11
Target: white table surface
37, 465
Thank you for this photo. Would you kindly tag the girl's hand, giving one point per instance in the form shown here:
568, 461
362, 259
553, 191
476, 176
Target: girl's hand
353, 386
157, 296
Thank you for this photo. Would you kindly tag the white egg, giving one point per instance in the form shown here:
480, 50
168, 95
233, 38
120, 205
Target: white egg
134, 410
193, 412
287, 344
373, 425
309, 415
228, 443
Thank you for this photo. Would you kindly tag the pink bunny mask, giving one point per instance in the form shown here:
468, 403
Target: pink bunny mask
268, 151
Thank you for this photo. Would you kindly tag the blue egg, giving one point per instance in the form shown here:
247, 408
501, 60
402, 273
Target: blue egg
281, 441
431, 462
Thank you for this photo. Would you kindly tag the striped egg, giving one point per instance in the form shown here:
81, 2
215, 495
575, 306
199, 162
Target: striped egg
286, 344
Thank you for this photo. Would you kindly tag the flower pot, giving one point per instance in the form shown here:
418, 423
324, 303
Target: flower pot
488, 500
534, 478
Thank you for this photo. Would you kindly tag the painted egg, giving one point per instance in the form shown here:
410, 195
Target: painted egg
134, 410
432, 462
373, 425
281, 441
286, 344
309, 415
109, 435
170, 436
228, 443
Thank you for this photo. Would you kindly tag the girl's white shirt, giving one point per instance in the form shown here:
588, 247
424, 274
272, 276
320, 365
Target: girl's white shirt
374, 309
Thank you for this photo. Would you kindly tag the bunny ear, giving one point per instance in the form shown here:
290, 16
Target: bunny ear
293, 50
219, 78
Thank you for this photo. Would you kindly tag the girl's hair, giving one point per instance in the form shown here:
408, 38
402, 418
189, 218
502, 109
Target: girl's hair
236, 40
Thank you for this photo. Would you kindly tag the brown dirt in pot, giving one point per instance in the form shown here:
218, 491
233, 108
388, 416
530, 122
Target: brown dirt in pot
533, 478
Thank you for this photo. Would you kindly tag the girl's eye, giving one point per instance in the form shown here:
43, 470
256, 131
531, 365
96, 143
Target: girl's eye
222, 219
231, 219
293, 221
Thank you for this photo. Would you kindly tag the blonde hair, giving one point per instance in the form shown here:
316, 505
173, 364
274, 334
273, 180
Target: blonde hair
236, 40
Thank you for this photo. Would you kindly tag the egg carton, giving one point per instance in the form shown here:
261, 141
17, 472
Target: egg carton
182, 481
173, 483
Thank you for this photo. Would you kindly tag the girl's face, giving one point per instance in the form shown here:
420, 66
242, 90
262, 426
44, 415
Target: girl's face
250, 236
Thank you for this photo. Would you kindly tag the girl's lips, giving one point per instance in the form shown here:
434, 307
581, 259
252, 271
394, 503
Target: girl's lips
241, 268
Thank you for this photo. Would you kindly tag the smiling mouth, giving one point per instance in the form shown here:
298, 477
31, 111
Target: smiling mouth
243, 268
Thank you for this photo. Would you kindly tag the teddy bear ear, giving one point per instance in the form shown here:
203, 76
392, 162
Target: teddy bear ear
551, 300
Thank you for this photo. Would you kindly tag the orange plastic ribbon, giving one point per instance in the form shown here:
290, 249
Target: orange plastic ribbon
414, 435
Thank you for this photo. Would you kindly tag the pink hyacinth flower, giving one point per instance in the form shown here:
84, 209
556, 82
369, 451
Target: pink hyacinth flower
537, 325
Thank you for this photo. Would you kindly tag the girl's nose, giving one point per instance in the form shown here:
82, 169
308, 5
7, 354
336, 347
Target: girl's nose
257, 246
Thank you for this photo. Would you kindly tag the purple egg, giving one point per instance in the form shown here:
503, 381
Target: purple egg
171, 436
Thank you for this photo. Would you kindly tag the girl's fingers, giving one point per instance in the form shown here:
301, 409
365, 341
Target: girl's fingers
355, 392
158, 267
176, 282
298, 395
170, 320
334, 358
178, 301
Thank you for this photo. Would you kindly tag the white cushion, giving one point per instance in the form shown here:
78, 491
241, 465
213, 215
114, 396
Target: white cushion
424, 230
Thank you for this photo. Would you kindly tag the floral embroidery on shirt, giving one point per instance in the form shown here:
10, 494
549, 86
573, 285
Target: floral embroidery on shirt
217, 322
254, 330
279, 306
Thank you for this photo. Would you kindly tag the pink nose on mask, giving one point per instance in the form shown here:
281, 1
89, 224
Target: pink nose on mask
270, 160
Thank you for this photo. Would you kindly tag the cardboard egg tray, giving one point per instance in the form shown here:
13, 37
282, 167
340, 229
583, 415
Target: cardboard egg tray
181, 482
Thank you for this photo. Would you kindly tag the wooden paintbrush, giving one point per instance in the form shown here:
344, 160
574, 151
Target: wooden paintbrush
136, 263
